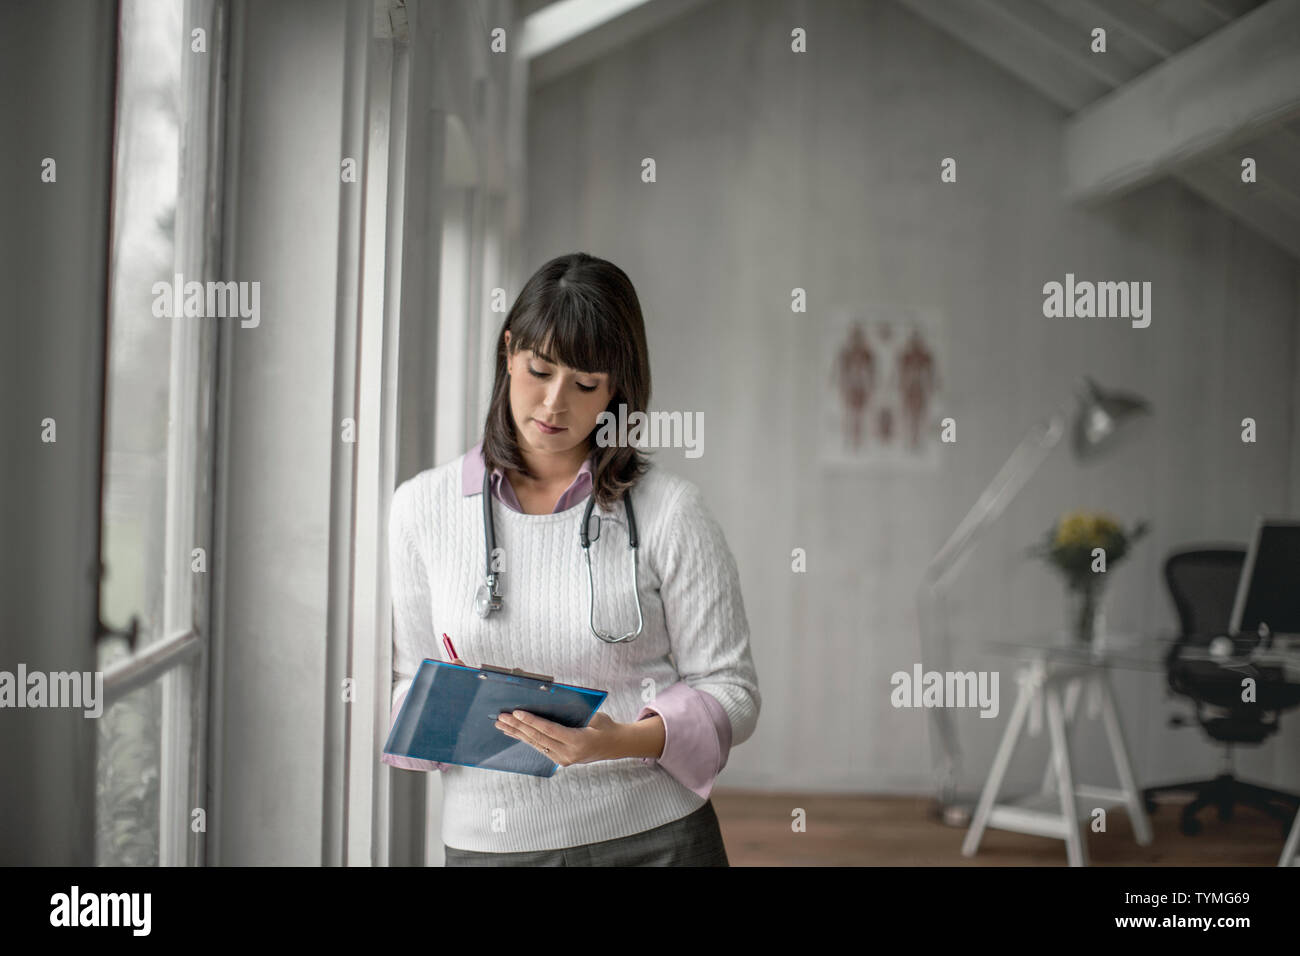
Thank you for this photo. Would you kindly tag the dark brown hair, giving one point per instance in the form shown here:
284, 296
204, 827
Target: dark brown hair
582, 312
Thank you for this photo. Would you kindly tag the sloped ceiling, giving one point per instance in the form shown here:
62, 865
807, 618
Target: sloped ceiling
1185, 89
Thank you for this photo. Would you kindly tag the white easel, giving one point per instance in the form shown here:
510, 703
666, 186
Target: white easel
1055, 811
1291, 852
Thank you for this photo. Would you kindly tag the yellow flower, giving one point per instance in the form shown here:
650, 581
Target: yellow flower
1079, 528
1074, 528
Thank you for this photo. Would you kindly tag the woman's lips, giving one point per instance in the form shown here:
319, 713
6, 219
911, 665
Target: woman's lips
546, 429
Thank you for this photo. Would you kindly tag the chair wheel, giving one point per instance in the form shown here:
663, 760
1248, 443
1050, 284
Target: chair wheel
1151, 805
1190, 826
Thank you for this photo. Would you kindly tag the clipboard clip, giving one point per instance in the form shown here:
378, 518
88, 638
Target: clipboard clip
518, 672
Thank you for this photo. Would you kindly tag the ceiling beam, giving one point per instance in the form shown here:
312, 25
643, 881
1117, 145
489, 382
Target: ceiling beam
1072, 42
1230, 87
564, 21
1027, 57
1157, 33
1229, 9
569, 34
1193, 16
1135, 57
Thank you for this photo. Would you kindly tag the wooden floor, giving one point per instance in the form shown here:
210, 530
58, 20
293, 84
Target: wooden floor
900, 831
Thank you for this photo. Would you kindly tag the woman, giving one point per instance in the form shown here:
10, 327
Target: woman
633, 785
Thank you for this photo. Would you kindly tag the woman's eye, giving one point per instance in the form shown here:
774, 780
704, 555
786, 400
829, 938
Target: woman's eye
537, 374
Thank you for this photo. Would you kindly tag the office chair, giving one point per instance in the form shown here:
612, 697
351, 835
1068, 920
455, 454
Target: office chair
1203, 584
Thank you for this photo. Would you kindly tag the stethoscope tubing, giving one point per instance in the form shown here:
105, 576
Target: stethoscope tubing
489, 599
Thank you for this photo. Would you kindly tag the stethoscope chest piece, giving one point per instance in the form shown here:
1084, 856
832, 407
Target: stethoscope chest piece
487, 599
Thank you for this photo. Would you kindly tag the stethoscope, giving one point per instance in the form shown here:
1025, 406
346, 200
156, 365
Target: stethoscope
488, 598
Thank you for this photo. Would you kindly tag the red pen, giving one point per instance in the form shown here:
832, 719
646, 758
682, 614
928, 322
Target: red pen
451, 651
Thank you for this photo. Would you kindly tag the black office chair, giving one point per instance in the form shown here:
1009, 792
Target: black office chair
1203, 584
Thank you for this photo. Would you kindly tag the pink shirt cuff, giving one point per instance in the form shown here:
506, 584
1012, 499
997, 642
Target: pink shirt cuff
408, 763
697, 736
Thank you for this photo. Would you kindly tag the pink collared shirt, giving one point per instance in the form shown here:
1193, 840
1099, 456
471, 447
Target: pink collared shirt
697, 732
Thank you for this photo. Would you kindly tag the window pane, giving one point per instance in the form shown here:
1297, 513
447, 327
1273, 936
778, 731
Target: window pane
143, 788
127, 780
143, 252
138, 780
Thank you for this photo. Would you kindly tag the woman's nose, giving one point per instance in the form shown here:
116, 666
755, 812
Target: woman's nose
554, 392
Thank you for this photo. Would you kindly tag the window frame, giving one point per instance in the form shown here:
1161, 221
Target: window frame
179, 658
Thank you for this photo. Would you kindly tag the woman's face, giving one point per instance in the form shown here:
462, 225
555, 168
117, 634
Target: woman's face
545, 393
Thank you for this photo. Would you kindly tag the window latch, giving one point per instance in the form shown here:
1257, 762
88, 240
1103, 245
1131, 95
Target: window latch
130, 633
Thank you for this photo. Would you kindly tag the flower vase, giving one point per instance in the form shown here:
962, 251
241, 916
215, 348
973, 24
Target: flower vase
1084, 617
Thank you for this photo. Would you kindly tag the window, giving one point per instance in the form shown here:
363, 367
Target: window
157, 503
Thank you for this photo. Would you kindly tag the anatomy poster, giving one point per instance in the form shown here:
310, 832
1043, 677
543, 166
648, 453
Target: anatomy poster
882, 405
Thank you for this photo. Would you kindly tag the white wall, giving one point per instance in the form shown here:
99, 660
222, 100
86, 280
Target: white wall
56, 101
821, 171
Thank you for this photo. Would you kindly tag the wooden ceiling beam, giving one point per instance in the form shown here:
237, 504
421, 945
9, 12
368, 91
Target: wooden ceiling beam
1229, 88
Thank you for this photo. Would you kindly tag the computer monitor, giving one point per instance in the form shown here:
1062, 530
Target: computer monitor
1269, 589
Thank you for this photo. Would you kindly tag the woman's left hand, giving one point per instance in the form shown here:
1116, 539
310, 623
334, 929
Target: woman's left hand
568, 745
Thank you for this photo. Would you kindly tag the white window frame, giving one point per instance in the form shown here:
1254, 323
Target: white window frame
179, 658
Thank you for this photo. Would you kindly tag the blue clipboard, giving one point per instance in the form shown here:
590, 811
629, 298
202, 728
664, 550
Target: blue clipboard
450, 713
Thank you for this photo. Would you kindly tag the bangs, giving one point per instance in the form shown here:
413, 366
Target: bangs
571, 332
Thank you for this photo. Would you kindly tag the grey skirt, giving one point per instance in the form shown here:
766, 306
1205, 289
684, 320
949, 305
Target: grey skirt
694, 840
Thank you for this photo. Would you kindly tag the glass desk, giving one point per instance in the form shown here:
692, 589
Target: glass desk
1055, 676
1144, 652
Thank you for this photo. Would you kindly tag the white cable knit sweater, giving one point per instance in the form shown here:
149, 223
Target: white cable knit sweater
695, 630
